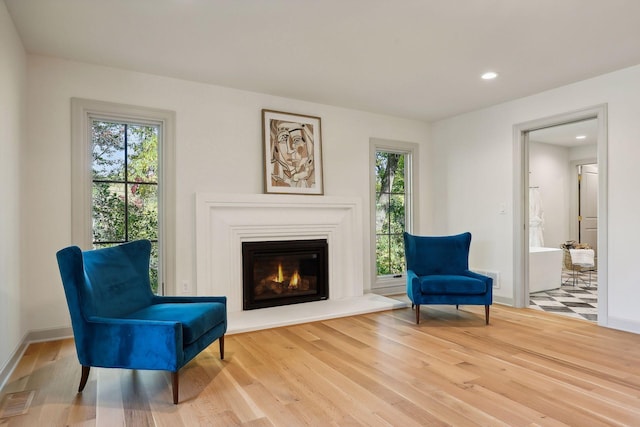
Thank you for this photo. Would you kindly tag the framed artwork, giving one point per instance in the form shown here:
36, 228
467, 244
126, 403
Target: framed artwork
292, 153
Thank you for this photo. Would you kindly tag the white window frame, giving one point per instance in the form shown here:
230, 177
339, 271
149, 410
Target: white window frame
387, 285
83, 111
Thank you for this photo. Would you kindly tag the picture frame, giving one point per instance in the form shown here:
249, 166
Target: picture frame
292, 147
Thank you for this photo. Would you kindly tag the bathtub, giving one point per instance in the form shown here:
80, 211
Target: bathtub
545, 269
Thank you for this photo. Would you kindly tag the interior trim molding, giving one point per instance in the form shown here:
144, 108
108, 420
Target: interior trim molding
12, 362
503, 300
39, 335
521, 200
83, 111
624, 324
224, 221
390, 290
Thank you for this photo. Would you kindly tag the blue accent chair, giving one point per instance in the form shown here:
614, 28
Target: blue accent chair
438, 273
119, 323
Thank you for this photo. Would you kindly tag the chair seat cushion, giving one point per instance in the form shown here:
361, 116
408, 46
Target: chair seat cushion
196, 318
451, 285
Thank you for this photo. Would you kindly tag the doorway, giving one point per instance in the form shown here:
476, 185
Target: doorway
563, 186
557, 230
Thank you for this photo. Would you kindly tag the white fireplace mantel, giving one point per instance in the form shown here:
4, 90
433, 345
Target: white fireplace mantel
224, 221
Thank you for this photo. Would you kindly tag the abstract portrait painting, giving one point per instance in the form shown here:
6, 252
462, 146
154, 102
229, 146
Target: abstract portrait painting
292, 152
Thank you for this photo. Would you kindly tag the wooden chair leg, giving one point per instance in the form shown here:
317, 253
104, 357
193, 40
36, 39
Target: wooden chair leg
84, 377
221, 339
174, 385
417, 314
486, 314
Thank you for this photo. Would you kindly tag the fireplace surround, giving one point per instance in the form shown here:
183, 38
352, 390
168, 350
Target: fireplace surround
225, 221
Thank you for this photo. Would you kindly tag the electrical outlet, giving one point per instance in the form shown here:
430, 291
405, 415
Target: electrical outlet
185, 287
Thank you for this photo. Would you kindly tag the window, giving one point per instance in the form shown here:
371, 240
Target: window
390, 212
392, 208
122, 175
124, 192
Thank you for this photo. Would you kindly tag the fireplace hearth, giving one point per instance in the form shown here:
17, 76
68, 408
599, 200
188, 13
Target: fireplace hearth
285, 272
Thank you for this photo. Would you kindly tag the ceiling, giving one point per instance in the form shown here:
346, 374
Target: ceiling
565, 135
419, 59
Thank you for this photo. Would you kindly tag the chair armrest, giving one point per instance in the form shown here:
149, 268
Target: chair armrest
187, 299
413, 287
132, 344
488, 280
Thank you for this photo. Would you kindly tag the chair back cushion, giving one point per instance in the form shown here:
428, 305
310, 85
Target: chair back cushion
440, 255
72, 274
117, 279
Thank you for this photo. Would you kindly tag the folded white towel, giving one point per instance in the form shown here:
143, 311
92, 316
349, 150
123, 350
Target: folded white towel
583, 257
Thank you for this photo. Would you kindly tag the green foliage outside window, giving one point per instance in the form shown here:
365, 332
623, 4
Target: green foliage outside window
125, 186
390, 212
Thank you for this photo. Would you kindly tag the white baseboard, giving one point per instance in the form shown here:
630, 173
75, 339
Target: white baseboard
11, 364
503, 300
31, 337
623, 325
390, 290
49, 334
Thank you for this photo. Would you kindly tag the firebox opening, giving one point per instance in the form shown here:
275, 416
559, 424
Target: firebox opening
284, 272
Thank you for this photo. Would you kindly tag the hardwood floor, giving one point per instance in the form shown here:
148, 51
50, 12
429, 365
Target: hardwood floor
526, 368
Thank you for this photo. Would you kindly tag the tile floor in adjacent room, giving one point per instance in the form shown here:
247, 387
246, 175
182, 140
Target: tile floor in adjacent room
579, 301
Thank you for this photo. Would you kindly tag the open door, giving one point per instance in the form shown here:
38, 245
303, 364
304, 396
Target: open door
588, 205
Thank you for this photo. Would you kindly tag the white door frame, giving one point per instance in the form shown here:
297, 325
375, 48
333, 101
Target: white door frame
521, 202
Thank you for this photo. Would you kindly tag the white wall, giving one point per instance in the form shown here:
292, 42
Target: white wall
218, 150
552, 169
584, 152
475, 164
549, 171
12, 137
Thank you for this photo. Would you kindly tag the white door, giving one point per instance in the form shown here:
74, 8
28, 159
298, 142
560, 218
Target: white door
588, 205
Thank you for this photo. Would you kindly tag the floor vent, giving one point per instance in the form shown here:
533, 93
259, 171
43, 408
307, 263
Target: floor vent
16, 403
493, 274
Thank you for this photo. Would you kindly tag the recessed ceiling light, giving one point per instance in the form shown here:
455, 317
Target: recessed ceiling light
490, 75
581, 136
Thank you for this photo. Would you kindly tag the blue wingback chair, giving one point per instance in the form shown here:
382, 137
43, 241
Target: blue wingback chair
438, 273
119, 323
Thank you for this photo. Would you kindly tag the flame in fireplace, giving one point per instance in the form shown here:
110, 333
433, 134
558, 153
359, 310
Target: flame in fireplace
295, 280
280, 276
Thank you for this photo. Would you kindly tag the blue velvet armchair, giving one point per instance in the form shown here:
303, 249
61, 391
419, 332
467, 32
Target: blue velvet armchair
119, 323
438, 273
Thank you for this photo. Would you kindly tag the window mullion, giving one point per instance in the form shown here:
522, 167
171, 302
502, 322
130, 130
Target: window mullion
126, 182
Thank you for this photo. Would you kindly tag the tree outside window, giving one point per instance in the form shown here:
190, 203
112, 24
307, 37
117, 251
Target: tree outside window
125, 186
391, 212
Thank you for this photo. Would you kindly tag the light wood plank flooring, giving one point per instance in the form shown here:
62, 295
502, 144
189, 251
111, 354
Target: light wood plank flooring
526, 368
